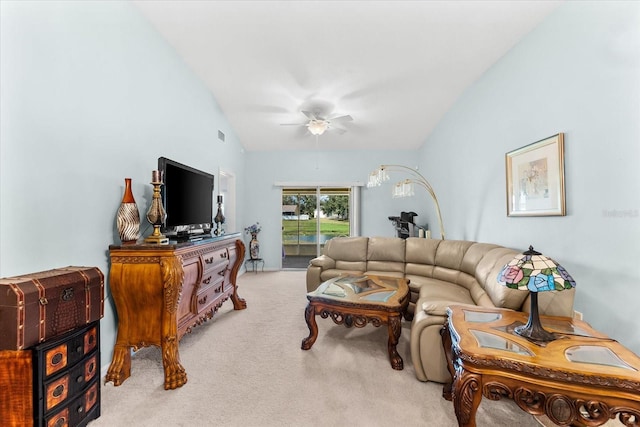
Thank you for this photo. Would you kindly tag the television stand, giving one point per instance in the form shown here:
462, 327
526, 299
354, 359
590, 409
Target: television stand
162, 292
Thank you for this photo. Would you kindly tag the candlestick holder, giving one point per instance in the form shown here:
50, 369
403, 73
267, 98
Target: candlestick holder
156, 216
219, 218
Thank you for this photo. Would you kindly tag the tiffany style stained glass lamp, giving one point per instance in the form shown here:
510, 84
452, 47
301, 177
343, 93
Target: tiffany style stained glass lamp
535, 272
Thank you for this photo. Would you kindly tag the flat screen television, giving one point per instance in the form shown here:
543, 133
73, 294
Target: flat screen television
187, 197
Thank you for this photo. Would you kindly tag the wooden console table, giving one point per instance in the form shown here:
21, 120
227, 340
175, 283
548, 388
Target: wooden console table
162, 291
582, 378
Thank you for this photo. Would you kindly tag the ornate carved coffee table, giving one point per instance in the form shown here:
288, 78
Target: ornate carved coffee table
358, 300
581, 378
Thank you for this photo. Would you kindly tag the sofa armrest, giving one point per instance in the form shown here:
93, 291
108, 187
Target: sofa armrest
324, 262
313, 277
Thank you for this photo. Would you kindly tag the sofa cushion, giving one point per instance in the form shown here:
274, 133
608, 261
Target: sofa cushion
451, 252
335, 272
474, 255
487, 275
385, 254
421, 251
347, 249
439, 290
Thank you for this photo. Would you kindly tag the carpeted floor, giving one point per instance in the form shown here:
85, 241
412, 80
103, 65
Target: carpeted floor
246, 368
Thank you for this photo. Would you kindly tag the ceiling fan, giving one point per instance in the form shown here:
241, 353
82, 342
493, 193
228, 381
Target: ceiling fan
317, 125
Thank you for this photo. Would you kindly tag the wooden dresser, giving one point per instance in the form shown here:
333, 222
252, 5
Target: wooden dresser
162, 291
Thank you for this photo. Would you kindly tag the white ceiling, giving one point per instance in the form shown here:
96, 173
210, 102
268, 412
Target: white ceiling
395, 66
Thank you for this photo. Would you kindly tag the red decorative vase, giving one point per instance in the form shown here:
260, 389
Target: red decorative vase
128, 218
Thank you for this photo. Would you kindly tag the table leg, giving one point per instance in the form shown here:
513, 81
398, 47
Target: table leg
310, 317
466, 397
395, 329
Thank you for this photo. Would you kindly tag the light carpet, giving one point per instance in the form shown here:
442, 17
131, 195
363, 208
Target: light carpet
246, 368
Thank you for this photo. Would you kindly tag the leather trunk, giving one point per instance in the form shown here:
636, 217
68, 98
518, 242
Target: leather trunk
40, 306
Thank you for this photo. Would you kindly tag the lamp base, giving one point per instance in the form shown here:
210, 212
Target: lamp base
534, 334
533, 330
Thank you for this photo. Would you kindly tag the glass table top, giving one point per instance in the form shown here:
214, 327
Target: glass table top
489, 340
595, 355
480, 316
362, 288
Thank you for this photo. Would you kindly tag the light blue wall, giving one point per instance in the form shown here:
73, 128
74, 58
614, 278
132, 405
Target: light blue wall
90, 95
264, 169
577, 73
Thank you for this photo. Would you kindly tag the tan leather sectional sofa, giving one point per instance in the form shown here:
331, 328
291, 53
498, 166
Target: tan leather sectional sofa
441, 273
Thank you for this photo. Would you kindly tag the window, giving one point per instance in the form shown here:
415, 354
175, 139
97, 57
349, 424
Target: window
311, 216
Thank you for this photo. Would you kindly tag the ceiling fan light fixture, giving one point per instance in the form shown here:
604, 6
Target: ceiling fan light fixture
317, 127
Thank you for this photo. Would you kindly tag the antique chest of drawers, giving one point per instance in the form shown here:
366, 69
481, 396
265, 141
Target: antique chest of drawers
67, 378
162, 292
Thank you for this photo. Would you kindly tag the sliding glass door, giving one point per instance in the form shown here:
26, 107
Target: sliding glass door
310, 217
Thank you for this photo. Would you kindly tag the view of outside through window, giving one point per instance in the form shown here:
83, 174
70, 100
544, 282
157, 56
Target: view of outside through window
311, 217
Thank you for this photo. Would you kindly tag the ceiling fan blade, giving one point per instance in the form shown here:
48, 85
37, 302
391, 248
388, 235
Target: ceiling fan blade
346, 118
310, 116
339, 131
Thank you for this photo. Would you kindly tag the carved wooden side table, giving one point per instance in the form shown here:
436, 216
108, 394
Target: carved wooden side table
581, 378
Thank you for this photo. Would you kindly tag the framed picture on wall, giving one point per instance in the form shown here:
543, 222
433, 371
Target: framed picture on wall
535, 178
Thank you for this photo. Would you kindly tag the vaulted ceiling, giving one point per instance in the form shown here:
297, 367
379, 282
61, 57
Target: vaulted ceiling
396, 67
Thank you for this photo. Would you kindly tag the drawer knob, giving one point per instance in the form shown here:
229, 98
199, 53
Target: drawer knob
79, 349
57, 358
79, 379
57, 392
209, 260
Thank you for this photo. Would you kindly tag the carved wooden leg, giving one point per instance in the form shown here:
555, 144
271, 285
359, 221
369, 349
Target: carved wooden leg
173, 275
174, 374
238, 303
120, 368
466, 397
310, 317
395, 329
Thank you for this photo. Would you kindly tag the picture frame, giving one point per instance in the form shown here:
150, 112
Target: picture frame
535, 178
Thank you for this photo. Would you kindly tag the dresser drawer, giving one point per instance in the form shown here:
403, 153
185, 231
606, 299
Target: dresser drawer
79, 411
212, 260
209, 294
67, 350
68, 384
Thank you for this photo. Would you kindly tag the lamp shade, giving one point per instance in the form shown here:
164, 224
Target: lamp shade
534, 272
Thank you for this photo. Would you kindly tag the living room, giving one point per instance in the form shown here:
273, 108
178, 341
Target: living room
91, 94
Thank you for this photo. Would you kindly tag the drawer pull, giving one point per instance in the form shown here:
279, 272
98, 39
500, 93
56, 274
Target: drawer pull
223, 255
203, 300
56, 359
79, 379
44, 301
80, 409
60, 422
209, 260
79, 349
207, 280
222, 272
57, 392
